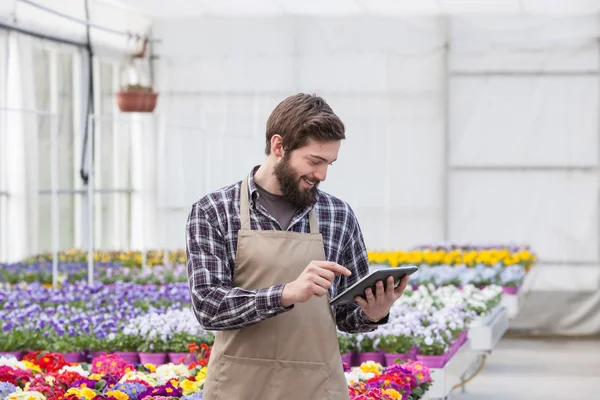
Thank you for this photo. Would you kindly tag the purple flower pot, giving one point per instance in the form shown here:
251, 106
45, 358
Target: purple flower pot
74, 357
153, 358
412, 353
510, 289
432, 361
17, 354
348, 358
95, 354
128, 356
463, 337
390, 358
176, 358
375, 356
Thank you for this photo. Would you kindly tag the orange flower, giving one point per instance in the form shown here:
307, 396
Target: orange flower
193, 347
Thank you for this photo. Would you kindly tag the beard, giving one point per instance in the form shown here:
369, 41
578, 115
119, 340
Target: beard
289, 182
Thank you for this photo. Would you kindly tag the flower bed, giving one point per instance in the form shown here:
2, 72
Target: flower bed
468, 257
47, 376
428, 324
42, 376
78, 317
510, 278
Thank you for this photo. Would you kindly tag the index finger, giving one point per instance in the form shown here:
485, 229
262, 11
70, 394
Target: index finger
334, 267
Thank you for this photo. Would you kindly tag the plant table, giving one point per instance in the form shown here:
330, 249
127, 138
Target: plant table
486, 332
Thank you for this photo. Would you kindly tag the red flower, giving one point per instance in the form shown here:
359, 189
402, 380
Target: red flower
16, 376
48, 362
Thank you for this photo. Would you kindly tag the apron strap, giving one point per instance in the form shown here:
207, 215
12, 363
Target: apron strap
314, 222
244, 206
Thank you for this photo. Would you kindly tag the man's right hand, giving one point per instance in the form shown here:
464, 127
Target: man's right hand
315, 280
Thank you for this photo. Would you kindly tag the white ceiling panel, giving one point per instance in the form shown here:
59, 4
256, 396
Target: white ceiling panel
322, 7
406, 7
160, 9
479, 6
560, 7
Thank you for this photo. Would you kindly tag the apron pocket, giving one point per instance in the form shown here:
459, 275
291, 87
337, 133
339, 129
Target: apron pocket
256, 378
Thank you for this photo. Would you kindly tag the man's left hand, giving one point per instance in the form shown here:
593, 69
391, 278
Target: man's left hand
377, 305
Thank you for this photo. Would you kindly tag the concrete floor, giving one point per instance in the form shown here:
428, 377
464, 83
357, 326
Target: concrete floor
528, 369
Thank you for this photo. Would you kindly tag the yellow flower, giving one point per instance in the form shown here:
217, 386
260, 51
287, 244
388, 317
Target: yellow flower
118, 395
31, 366
394, 394
190, 386
151, 367
370, 366
88, 393
95, 377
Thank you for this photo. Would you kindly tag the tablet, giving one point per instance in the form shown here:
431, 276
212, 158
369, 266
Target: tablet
370, 280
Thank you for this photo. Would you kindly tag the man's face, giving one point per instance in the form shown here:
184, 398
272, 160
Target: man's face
300, 171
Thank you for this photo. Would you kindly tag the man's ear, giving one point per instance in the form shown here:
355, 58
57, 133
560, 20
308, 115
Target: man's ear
277, 146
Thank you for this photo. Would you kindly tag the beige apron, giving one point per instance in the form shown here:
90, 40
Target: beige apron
293, 356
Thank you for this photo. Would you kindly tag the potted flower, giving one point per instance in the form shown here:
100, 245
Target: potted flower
347, 344
432, 349
179, 348
367, 348
396, 347
136, 94
125, 346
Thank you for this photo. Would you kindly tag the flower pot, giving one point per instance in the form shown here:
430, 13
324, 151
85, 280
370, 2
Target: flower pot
153, 358
432, 361
375, 356
348, 358
510, 289
16, 354
136, 101
74, 357
94, 354
412, 353
463, 337
128, 356
390, 358
176, 358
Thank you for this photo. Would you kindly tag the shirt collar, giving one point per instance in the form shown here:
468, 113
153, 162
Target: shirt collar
254, 191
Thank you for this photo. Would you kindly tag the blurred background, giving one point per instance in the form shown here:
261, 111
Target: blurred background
474, 123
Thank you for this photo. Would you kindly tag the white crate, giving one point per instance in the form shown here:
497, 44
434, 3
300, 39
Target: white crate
444, 379
512, 303
486, 332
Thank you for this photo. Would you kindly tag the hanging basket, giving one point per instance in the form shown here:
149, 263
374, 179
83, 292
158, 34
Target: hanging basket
136, 94
136, 100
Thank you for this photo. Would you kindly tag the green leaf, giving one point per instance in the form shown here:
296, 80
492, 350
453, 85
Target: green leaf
100, 384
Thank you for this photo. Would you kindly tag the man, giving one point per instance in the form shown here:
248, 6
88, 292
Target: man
264, 257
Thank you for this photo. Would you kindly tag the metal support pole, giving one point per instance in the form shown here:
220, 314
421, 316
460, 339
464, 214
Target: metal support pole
446, 139
54, 198
90, 202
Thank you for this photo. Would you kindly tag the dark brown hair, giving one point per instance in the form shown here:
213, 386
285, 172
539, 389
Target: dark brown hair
300, 117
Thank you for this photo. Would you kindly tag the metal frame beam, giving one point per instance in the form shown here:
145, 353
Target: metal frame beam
519, 74
524, 168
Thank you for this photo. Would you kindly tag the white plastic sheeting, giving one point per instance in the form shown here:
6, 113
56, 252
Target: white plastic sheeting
493, 139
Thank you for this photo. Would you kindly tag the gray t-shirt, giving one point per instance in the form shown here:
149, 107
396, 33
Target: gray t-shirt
282, 210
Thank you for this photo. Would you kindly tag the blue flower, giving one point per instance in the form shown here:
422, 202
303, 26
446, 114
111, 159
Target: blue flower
6, 389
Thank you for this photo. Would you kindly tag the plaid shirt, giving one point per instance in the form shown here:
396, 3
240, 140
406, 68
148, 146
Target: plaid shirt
211, 237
